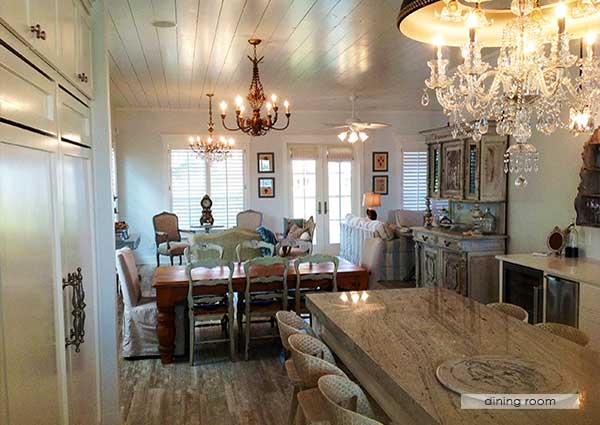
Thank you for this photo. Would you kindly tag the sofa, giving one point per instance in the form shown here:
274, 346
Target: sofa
396, 253
228, 239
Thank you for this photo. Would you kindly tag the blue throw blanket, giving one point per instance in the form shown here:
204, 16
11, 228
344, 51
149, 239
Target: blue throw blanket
267, 236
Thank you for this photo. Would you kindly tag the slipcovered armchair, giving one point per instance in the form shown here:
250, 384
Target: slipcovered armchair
249, 219
168, 237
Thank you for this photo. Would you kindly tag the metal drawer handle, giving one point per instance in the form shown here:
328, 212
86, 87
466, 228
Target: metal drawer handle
82, 77
326, 210
447, 243
77, 332
425, 238
37, 30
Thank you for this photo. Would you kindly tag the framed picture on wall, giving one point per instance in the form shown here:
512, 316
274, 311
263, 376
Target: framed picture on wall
266, 187
380, 162
266, 162
380, 185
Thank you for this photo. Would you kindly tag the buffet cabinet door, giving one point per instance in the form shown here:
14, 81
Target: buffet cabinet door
493, 177
77, 260
435, 170
453, 170
472, 170
454, 272
31, 344
429, 266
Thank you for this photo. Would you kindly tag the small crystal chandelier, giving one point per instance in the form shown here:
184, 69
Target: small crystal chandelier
211, 148
535, 78
256, 125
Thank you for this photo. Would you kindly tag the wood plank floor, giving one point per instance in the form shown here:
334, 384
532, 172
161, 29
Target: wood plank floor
216, 391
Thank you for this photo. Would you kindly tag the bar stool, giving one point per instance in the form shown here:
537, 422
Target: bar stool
512, 310
565, 331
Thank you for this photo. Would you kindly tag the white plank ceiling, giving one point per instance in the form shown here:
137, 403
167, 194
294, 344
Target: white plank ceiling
317, 53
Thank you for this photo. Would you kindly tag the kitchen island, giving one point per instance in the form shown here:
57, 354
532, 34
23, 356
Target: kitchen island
393, 340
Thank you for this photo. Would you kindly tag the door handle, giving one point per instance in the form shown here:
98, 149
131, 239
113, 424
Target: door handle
319, 207
77, 332
326, 210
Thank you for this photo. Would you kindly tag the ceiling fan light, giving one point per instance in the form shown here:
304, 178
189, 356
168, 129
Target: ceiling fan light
342, 136
353, 138
363, 136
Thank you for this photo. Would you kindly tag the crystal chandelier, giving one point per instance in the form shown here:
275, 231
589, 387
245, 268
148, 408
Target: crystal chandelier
536, 76
256, 125
211, 148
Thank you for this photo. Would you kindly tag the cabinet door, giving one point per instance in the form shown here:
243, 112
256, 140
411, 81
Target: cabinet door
454, 276
74, 119
493, 178
453, 170
78, 252
435, 170
84, 71
28, 289
430, 267
16, 14
44, 14
67, 19
472, 170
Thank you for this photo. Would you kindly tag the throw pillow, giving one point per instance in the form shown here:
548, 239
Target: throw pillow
305, 236
295, 231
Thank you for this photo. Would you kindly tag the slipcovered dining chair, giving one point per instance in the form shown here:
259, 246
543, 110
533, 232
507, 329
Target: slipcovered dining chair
140, 315
253, 248
168, 237
249, 219
209, 308
512, 310
348, 404
318, 279
266, 293
312, 359
565, 331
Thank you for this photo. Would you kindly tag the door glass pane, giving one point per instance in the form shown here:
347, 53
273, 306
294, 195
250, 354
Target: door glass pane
304, 188
340, 196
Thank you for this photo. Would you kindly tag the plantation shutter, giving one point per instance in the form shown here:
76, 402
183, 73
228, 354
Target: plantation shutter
188, 186
414, 180
227, 189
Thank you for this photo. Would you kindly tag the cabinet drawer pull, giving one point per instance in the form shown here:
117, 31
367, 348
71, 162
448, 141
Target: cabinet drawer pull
447, 243
82, 77
77, 332
37, 30
425, 238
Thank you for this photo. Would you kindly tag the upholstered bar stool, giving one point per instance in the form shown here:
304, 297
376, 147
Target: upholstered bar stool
565, 331
512, 310
312, 359
347, 402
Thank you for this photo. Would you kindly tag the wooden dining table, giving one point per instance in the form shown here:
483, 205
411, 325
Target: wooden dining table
171, 285
393, 341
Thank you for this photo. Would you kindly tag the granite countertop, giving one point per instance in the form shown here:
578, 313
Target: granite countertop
457, 234
576, 269
393, 341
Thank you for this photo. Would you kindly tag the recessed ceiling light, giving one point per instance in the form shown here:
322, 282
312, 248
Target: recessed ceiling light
163, 24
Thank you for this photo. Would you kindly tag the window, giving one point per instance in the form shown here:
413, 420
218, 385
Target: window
340, 196
192, 178
414, 180
304, 187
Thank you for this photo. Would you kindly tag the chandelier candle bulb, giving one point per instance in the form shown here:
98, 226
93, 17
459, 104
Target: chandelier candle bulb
286, 104
561, 14
274, 99
223, 107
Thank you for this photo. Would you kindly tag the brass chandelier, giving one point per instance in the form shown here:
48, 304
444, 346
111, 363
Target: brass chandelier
536, 82
211, 148
256, 125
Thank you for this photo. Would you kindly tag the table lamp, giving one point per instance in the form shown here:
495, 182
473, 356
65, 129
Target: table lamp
371, 200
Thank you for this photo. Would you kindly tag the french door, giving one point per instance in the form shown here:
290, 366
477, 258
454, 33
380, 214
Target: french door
324, 186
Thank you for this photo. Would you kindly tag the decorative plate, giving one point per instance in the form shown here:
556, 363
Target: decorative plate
495, 374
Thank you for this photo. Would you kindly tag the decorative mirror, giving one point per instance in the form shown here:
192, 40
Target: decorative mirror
556, 241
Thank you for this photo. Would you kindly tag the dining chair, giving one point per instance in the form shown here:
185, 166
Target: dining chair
168, 237
202, 251
512, 310
266, 293
346, 401
318, 279
565, 331
312, 359
249, 219
216, 306
253, 249
140, 315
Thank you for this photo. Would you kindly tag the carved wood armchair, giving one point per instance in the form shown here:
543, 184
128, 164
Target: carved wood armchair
168, 237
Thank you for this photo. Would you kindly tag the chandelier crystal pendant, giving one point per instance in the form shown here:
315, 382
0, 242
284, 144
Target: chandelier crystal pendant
211, 148
536, 76
256, 125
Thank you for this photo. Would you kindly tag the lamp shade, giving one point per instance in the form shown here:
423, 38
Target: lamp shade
371, 199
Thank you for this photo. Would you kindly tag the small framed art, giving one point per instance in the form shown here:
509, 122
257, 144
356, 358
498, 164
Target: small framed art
380, 185
380, 162
266, 162
266, 187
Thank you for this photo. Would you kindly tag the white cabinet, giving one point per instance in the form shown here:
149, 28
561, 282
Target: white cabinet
589, 313
29, 297
74, 119
60, 30
36, 22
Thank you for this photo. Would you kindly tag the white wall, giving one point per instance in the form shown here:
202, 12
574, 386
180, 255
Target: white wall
548, 199
142, 159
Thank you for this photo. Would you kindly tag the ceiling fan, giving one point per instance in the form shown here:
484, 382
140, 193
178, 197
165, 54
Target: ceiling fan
354, 127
